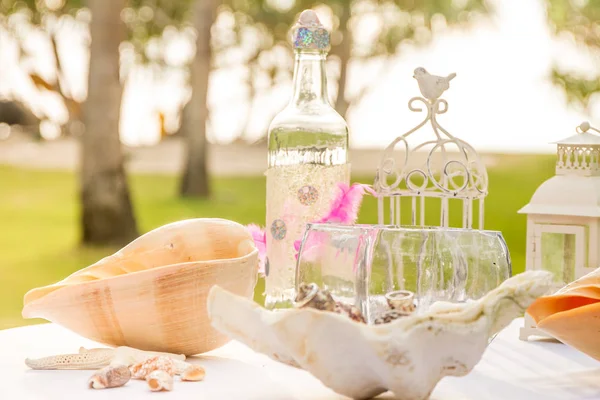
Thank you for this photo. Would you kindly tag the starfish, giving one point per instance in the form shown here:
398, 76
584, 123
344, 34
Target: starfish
99, 358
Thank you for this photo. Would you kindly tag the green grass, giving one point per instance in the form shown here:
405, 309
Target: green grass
39, 218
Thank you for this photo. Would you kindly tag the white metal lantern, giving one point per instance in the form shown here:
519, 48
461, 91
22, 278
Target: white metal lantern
563, 216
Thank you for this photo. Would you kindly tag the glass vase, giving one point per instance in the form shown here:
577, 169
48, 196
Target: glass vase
359, 264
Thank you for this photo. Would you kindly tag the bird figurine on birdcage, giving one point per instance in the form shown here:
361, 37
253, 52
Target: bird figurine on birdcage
432, 86
440, 167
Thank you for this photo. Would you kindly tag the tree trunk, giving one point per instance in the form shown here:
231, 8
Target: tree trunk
343, 51
107, 214
195, 180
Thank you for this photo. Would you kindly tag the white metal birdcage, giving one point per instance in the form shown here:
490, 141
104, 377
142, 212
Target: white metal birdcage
439, 167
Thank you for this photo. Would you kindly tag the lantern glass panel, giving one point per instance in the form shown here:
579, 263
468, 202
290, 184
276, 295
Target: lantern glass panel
558, 255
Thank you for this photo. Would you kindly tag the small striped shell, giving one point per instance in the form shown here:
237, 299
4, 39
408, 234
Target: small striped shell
110, 377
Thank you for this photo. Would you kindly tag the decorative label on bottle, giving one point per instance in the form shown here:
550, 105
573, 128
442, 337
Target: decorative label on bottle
296, 195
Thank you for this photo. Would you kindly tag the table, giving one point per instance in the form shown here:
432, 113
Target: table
509, 370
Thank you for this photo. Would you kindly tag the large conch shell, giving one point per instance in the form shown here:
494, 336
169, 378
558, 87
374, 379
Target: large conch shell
151, 295
407, 356
572, 315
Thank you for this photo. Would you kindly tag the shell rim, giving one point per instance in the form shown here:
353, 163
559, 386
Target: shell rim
254, 252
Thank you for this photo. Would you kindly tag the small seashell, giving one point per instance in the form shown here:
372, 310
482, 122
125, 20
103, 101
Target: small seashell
158, 363
193, 373
401, 300
390, 316
350, 311
159, 380
310, 295
110, 377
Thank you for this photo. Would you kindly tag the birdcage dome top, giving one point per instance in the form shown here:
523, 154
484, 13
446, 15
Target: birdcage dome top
436, 165
566, 195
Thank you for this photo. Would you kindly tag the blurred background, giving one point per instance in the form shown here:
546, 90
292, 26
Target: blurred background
118, 116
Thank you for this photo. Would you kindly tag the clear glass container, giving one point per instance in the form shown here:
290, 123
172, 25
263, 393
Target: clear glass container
307, 159
360, 264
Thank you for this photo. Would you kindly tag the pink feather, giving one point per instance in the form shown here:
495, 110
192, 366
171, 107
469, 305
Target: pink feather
260, 241
344, 208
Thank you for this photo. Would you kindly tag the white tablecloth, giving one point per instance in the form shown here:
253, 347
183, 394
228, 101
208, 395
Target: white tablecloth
510, 370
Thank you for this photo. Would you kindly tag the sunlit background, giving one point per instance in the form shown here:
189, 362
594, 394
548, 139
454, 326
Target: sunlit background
502, 100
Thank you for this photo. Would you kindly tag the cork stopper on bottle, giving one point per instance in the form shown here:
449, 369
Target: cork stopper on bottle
309, 33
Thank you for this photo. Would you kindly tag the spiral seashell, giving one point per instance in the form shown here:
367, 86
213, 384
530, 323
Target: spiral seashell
110, 377
159, 380
158, 363
129, 356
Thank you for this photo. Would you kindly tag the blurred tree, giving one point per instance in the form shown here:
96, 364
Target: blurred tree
20, 19
107, 213
396, 22
146, 21
195, 180
149, 22
582, 20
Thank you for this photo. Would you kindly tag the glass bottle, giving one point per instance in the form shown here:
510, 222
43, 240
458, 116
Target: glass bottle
307, 159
